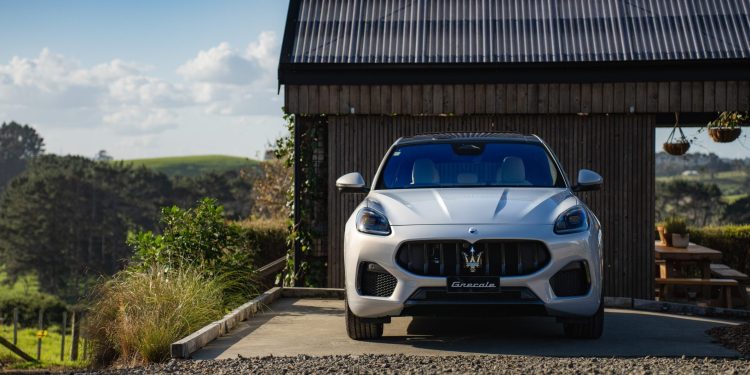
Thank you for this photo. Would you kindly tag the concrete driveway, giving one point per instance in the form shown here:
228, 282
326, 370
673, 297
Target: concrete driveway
316, 327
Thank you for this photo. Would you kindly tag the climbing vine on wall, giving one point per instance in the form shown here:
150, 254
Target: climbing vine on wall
306, 232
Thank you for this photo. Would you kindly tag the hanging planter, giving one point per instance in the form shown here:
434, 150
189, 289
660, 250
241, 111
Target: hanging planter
726, 128
676, 144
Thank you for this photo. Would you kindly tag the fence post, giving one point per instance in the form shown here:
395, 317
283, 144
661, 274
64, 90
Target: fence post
73, 337
15, 326
39, 336
64, 327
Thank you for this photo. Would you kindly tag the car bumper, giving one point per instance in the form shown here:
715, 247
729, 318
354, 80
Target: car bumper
564, 249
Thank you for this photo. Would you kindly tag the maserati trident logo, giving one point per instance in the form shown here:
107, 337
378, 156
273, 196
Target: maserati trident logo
473, 260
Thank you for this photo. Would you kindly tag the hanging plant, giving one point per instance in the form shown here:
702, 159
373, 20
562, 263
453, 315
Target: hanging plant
676, 144
726, 128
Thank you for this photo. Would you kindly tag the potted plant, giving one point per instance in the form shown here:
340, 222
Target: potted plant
726, 127
676, 144
676, 232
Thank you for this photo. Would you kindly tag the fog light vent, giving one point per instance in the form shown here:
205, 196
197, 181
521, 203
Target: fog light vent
374, 280
573, 280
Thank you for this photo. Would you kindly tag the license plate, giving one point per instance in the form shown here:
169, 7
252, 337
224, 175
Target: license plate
473, 284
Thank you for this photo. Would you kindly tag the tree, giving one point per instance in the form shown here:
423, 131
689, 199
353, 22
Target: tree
231, 189
698, 202
738, 212
18, 144
271, 190
67, 218
102, 155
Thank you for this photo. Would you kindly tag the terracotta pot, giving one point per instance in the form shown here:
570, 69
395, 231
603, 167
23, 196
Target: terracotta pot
681, 241
724, 135
677, 149
662, 236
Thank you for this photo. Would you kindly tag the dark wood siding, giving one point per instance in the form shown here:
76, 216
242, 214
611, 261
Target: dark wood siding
532, 98
620, 147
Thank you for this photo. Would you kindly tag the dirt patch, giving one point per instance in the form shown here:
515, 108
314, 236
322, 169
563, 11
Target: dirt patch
733, 337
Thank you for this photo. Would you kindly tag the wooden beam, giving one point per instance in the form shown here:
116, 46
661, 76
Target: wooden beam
16, 350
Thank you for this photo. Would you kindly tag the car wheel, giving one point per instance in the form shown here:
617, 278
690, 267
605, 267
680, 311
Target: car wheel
589, 328
358, 329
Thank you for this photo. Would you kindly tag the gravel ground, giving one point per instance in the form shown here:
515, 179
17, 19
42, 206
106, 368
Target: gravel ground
733, 337
384, 364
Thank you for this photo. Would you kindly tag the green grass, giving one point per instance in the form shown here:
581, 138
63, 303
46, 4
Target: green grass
27, 341
731, 183
195, 165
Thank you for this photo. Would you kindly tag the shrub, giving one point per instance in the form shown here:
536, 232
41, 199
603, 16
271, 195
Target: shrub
732, 240
198, 237
267, 239
138, 314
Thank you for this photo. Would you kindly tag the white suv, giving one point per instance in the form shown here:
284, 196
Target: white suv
472, 224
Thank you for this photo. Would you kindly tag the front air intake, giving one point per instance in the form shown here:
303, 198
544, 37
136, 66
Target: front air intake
375, 281
571, 281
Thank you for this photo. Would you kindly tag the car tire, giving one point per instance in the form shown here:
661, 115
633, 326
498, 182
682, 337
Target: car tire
588, 328
359, 329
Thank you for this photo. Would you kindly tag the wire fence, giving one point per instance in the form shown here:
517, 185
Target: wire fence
48, 341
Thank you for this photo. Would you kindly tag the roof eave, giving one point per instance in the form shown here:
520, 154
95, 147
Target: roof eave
478, 73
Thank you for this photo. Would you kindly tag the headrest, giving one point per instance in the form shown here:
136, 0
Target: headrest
512, 171
424, 172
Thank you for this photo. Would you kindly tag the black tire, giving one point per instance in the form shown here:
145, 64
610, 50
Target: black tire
358, 329
588, 328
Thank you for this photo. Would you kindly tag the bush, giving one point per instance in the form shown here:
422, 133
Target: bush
732, 240
267, 239
138, 314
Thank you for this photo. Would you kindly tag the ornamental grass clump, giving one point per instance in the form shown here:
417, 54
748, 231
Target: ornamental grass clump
137, 315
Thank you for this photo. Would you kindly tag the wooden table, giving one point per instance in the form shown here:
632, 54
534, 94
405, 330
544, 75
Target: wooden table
675, 258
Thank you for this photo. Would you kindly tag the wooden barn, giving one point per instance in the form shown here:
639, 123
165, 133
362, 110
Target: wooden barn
592, 78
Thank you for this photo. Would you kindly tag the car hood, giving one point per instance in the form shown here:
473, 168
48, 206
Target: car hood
518, 206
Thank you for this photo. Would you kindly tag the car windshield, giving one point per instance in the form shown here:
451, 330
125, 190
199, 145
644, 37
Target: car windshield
470, 164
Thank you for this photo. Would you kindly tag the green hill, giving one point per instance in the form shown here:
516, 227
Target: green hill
195, 165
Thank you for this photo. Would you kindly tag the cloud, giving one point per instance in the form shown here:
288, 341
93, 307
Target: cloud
236, 82
139, 120
226, 65
56, 91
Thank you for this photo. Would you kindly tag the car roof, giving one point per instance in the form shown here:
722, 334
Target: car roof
468, 137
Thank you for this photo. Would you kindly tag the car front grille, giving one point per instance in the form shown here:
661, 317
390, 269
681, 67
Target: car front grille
489, 257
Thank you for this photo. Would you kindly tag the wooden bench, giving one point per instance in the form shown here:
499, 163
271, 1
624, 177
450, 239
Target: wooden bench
722, 271
726, 286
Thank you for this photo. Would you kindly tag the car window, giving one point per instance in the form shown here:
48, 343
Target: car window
469, 164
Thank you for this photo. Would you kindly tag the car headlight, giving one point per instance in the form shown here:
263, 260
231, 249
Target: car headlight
372, 222
573, 220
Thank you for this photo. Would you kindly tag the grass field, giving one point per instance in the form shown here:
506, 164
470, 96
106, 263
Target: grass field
195, 165
732, 183
51, 345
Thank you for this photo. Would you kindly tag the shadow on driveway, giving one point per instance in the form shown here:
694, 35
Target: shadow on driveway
316, 327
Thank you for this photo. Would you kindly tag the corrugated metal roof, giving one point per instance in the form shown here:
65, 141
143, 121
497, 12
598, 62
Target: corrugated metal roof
516, 31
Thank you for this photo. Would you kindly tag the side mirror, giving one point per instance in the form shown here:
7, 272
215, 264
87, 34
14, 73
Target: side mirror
588, 181
352, 183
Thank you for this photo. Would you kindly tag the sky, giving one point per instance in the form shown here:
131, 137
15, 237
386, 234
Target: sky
145, 78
